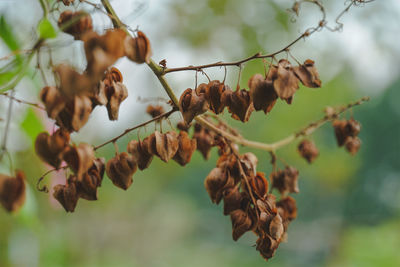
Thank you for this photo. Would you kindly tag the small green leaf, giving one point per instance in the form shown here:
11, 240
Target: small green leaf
46, 30
6, 77
7, 35
32, 125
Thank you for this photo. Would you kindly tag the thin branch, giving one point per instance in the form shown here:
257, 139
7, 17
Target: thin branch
36, 105
3, 147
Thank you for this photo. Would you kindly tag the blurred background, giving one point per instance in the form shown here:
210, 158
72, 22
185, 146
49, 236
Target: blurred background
348, 206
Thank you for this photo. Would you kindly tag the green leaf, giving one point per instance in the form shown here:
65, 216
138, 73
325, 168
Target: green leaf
32, 125
46, 29
7, 35
6, 77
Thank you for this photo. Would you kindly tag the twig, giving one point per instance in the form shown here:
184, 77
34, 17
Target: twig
3, 147
23, 101
44, 188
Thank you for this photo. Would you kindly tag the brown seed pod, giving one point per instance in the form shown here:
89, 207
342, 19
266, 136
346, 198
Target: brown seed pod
267, 246
138, 49
216, 182
191, 105
276, 229
75, 114
205, 140
12, 191
262, 92
286, 83
154, 111
73, 83
353, 127
166, 145
340, 131
116, 93
239, 104
183, 126
91, 180
186, 148
120, 170
259, 185
308, 150
50, 148
241, 223
285, 180
287, 208
67, 195
81, 22
140, 153
214, 96
203, 89
53, 101
79, 158
232, 200
249, 163
308, 74
352, 144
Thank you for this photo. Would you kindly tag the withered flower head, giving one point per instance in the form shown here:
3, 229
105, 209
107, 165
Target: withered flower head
91, 180
191, 105
215, 92
138, 49
276, 227
81, 21
286, 181
249, 163
186, 148
232, 199
73, 83
286, 83
352, 144
205, 140
259, 185
79, 158
67, 195
262, 92
229, 162
241, 223
287, 208
216, 182
308, 74
308, 150
239, 104
203, 89
344, 129
75, 114
116, 93
120, 170
53, 101
154, 111
50, 148
166, 145
12, 191
140, 154
267, 246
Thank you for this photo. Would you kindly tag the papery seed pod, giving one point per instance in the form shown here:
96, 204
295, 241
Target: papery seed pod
115, 94
91, 180
73, 83
154, 111
287, 208
191, 105
138, 49
79, 158
353, 127
229, 162
183, 126
216, 182
308, 150
12, 191
120, 170
166, 145
268, 204
340, 131
259, 185
214, 97
140, 154
352, 144
241, 223
285, 180
262, 92
186, 148
113, 74
81, 22
75, 114
308, 74
276, 227
52, 100
203, 89
67, 195
286, 83
205, 140
50, 148
232, 200
267, 246
249, 163
239, 104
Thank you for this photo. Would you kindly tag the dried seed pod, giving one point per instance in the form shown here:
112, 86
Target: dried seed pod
229, 162
287, 208
12, 191
205, 140
50, 148
352, 144
308, 74
67, 195
340, 131
154, 111
166, 145
183, 126
215, 92
216, 182
203, 89
91, 180
268, 204
120, 170
267, 246
285, 180
52, 100
308, 150
115, 94
259, 185
276, 227
79, 158
232, 200
73, 83
262, 92
249, 163
286, 83
353, 127
191, 105
239, 104
138, 49
241, 223
186, 148
140, 154
82, 22
75, 114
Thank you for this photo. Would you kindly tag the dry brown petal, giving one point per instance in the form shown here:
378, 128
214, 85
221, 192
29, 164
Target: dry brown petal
186, 148
116, 93
78, 26
239, 104
287, 208
285, 180
191, 105
276, 227
216, 182
67, 195
205, 140
232, 200
308, 74
12, 191
249, 163
215, 92
138, 49
140, 154
259, 185
50, 148
241, 223
154, 111
166, 145
120, 170
308, 150
79, 158
52, 100
286, 83
352, 144
267, 246
262, 93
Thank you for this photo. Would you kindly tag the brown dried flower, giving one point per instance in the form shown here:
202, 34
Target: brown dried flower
205, 140
120, 170
50, 148
67, 195
262, 92
138, 49
308, 150
214, 95
259, 185
12, 191
154, 111
308, 74
53, 101
79, 158
239, 104
232, 200
352, 144
286, 82
285, 180
186, 148
81, 22
191, 105
241, 223
216, 182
